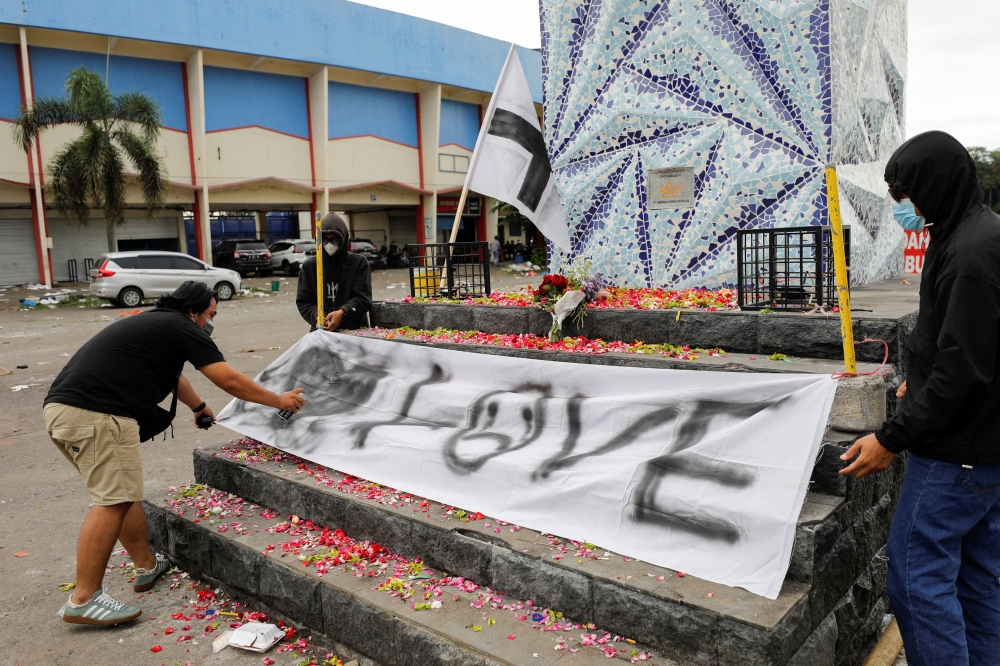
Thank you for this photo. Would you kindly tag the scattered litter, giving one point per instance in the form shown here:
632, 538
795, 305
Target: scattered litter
256, 636
20, 554
19, 387
129, 314
155, 648
106, 305
44, 362
64, 354
4, 372
22, 367
66, 587
221, 641
28, 303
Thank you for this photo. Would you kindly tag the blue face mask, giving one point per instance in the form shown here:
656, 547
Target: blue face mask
906, 216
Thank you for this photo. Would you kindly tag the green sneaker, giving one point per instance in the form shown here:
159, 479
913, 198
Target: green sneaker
146, 578
102, 609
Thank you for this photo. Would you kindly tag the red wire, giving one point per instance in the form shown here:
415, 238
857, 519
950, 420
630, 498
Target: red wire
876, 371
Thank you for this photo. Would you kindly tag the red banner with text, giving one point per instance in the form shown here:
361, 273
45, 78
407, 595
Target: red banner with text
913, 255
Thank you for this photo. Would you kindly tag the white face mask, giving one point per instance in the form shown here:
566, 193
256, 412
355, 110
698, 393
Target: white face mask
331, 248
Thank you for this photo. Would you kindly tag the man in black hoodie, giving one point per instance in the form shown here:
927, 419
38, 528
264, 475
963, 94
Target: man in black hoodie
346, 276
944, 547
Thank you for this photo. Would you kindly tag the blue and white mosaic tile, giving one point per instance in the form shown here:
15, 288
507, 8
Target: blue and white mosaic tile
757, 96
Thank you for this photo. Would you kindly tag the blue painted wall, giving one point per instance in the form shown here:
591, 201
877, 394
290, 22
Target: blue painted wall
328, 32
238, 98
357, 110
459, 123
10, 88
160, 79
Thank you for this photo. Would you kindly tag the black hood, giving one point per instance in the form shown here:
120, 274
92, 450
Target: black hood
938, 174
334, 223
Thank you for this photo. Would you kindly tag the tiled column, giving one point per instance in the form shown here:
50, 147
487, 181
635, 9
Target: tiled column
429, 102
35, 170
196, 111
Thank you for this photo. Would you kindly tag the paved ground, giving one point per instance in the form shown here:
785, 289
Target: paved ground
42, 500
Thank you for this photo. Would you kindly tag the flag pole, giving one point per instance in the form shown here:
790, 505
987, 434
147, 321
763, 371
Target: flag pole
475, 153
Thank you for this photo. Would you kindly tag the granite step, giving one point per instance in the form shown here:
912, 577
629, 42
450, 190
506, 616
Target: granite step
349, 611
686, 618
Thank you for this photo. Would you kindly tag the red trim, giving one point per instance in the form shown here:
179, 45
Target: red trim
420, 145
308, 188
313, 207
309, 122
266, 129
187, 116
197, 226
372, 136
421, 237
450, 190
15, 182
381, 182
481, 222
457, 145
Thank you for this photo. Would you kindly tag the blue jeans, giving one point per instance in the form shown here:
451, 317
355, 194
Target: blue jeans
944, 564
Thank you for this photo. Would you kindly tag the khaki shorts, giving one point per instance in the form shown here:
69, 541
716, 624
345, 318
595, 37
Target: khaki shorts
102, 447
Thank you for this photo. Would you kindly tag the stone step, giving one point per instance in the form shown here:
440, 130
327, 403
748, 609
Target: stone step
812, 336
676, 615
350, 612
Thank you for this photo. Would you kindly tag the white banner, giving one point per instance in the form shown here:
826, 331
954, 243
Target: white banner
701, 472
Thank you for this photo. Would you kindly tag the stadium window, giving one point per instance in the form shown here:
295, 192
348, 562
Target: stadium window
453, 163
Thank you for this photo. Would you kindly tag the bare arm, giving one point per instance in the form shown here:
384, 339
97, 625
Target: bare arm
238, 385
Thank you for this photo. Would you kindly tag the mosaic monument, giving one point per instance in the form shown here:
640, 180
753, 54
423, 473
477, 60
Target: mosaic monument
745, 102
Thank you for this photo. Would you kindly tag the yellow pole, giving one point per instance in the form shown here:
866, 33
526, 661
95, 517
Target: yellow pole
840, 264
319, 273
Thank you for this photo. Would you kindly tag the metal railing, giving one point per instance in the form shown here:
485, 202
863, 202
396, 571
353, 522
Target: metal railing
449, 270
787, 269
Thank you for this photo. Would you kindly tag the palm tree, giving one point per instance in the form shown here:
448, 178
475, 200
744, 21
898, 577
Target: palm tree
89, 172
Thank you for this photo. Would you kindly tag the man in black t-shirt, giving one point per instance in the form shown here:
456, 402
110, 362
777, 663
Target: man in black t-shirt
105, 401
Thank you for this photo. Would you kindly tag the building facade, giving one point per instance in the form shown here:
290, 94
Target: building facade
272, 114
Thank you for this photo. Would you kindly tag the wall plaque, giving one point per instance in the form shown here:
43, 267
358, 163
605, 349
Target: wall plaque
670, 188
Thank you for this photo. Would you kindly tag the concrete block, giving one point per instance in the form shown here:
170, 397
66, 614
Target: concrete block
187, 543
290, 593
455, 553
539, 321
876, 329
448, 316
526, 577
820, 648
733, 331
679, 631
859, 405
797, 335
364, 522
651, 326
739, 644
360, 625
258, 487
419, 647
236, 565
315, 505
395, 315
501, 320
791, 632
156, 522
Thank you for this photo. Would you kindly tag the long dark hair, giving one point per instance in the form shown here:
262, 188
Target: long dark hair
191, 296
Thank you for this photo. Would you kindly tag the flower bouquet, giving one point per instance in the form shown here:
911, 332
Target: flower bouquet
568, 296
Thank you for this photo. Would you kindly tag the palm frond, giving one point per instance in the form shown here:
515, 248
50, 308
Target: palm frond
46, 112
139, 108
148, 166
112, 183
88, 95
68, 182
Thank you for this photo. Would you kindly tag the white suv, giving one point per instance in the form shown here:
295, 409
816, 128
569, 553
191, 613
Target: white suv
125, 278
288, 255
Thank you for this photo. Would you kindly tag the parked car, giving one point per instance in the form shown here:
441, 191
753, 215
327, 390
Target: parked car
126, 278
243, 256
288, 255
366, 250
